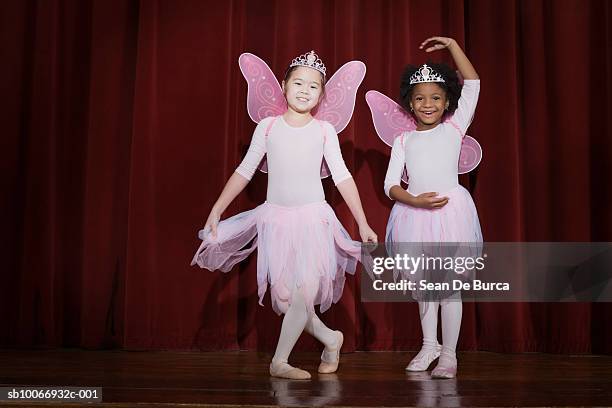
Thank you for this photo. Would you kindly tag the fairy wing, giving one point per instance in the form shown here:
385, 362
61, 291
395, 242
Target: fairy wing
391, 120
264, 95
471, 151
338, 103
470, 156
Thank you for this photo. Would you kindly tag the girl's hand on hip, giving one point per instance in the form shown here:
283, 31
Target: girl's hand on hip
430, 201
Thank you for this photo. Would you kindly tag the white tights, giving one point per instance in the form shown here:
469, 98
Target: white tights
451, 324
296, 320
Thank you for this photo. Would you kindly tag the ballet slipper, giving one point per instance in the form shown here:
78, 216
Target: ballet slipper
423, 360
284, 370
446, 368
331, 358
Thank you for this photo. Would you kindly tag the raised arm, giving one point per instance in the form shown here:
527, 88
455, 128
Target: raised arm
463, 115
464, 65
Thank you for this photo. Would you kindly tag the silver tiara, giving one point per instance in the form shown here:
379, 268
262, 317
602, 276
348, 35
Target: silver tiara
310, 60
425, 74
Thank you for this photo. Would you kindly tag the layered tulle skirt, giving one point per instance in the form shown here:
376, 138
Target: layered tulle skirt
444, 236
303, 248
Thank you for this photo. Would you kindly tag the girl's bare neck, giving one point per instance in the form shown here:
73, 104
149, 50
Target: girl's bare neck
297, 119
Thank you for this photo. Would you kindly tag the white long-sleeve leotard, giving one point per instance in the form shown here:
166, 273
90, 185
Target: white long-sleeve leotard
294, 156
431, 156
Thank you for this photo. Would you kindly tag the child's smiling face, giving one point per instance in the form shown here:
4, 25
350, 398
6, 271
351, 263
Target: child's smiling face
428, 102
303, 89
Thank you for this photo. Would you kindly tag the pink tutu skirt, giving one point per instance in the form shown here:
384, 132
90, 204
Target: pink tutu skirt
457, 221
303, 248
450, 231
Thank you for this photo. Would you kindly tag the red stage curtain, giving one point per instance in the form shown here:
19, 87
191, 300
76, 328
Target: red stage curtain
122, 120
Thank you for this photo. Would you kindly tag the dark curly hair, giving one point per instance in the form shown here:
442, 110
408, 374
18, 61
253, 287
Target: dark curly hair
451, 86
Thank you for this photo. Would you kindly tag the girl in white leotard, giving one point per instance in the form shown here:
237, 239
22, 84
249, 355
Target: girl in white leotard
435, 207
303, 250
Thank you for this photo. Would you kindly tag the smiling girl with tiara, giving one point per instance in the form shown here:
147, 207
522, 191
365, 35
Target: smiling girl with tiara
303, 251
435, 208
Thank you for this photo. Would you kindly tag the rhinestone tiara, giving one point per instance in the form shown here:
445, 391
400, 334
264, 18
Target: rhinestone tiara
310, 60
425, 74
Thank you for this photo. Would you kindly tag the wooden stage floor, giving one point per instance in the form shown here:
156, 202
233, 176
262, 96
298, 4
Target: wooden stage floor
130, 379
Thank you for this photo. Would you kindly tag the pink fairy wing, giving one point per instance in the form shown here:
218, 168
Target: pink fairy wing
264, 96
471, 152
338, 104
470, 156
390, 119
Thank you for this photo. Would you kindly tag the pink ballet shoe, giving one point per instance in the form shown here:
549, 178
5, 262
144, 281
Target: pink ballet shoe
423, 360
331, 358
446, 368
284, 370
